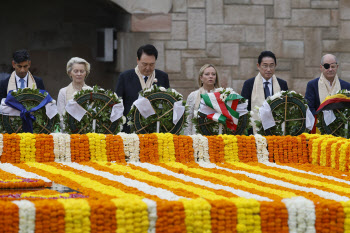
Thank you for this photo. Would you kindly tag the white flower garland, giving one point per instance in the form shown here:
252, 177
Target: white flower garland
301, 215
261, 148
321, 193
8, 167
305, 172
146, 188
1, 143
201, 148
26, 216
241, 193
152, 214
61, 147
131, 147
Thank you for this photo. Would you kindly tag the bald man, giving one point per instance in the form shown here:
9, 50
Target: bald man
327, 84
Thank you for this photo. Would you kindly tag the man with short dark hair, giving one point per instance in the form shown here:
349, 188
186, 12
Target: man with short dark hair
21, 77
131, 82
265, 84
327, 84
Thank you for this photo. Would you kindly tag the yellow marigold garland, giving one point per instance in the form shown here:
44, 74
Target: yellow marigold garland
248, 215
77, 215
166, 148
132, 215
97, 144
231, 148
27, 147
198, 218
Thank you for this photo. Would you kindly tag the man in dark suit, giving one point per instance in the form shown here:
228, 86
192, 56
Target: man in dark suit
327, 84
265, 84
21, 77
131, 82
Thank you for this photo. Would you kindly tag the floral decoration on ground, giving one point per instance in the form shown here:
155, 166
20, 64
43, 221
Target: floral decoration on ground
98, 104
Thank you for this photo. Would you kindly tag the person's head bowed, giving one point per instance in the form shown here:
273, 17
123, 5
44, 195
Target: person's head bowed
146, 59
21, 62
208, 77
78, 69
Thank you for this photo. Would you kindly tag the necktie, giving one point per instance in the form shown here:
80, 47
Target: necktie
146, 78
21, 80
266, 89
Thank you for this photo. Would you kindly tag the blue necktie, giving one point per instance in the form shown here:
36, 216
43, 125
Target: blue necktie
146, 78
21, 80
266, 89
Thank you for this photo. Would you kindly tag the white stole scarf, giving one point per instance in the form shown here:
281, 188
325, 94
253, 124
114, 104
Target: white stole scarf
258, 94
12, 82
70, 91
325, 89
151, 79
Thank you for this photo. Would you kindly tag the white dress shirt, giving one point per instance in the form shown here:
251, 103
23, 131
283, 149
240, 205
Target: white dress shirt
19, 83
269, 84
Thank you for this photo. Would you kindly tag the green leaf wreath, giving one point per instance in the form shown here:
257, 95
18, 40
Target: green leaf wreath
98, 103
162, 101
206, 126
289, 117
340, 126
30, 98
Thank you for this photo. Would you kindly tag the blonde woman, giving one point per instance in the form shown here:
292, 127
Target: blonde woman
78, 70
208, 80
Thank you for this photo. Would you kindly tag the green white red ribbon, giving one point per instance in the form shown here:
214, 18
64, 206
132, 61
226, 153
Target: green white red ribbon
223, 112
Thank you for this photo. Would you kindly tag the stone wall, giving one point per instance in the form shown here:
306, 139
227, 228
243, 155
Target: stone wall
231, 34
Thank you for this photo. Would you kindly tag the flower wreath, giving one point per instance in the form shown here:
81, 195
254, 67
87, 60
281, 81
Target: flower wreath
98, 104
30, 98
289, 112
162, 101
206, 126
339, 105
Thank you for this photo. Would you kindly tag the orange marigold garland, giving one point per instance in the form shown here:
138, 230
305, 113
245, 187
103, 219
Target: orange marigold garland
9, 217
49, 216
44, 148
11, 151
183, 149
216, 149
223, 216
103, 216
115, 148
274, 217
149, 148
80, 150
171, 217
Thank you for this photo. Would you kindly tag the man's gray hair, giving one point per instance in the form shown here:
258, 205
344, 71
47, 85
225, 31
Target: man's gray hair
335, 58
78, 60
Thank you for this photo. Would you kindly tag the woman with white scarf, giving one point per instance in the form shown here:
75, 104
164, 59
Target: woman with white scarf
78, 70
208, 80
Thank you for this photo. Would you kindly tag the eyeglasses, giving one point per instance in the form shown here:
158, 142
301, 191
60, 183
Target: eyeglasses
327, 66
265, 66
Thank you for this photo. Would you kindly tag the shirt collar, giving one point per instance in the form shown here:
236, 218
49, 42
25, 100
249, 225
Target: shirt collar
264, 80
18, 78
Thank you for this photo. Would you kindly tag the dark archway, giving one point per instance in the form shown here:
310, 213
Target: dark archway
54, 31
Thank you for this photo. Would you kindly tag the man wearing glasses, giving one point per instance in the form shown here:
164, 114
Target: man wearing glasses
265, 84
327, 84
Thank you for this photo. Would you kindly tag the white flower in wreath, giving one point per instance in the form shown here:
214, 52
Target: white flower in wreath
86, 88
162, 89
123, 120
155, 81
275, 96
219, 89
229, 89
101, 89
147, 90
115, 94
129, 123
223, 97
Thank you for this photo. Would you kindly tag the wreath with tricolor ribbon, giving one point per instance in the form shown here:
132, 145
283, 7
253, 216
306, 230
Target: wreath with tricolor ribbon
225, 107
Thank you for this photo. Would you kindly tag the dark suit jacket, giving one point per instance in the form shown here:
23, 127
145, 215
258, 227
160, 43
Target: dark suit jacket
248, 88
312, 95
4, 83
129, 86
